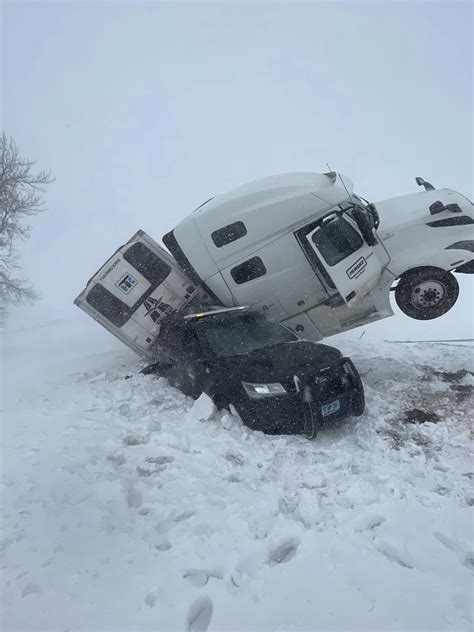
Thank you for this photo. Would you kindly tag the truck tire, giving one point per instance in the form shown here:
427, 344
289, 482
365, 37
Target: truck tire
426, 293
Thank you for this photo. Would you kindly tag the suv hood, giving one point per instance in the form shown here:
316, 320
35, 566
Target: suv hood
280, 362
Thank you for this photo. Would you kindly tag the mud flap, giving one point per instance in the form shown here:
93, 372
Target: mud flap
466, 268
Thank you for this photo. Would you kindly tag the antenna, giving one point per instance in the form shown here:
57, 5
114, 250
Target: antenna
344, 185
340, 177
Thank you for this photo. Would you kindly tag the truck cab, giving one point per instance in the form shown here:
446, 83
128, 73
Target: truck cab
306, 251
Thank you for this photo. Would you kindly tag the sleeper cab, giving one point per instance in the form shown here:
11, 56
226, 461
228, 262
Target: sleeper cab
242, 246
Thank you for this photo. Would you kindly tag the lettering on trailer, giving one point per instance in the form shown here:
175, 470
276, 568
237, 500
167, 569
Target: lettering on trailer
109, 269
357, 268
126, 283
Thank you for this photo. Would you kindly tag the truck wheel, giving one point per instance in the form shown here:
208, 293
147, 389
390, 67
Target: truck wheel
426, 293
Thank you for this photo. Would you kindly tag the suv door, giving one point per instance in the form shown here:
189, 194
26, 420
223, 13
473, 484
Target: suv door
181, 359
351, 264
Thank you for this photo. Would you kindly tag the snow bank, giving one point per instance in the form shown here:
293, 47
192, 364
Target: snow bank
127, 506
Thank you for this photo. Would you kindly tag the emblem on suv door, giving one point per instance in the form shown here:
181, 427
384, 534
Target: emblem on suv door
320, 380
357, 268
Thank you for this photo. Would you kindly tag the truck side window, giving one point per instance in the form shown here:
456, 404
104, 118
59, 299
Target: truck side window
154, 269
228, 234
108, 305
248, 270
336, 240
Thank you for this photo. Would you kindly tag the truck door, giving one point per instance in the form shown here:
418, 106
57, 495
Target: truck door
347, 261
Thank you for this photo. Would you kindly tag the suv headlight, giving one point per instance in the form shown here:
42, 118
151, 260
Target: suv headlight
258, 391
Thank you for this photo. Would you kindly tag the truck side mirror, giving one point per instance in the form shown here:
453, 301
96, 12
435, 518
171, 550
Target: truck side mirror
372, 211
364, 225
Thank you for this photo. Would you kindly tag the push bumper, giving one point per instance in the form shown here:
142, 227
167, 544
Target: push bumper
312, 400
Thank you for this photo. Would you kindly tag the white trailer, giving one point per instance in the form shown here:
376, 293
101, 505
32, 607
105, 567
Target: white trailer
304, 250
135, 290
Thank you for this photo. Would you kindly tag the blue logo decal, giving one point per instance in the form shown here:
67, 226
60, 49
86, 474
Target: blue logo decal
126, 283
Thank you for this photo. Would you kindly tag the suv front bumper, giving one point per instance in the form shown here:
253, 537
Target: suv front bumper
312, 400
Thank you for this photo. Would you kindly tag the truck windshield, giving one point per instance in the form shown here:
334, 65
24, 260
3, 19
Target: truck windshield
239, 336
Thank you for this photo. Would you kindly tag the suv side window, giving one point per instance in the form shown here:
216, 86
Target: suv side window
180, 341
336, 240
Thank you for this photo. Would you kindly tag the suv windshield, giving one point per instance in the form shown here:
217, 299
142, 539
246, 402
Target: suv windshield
243, 335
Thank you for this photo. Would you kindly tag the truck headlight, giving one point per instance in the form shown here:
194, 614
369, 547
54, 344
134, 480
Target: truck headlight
259, 391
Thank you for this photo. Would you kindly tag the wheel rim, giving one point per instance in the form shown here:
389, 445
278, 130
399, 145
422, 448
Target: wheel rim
428, 294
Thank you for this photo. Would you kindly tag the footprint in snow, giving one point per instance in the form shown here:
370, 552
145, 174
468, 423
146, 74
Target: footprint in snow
199, 615
134, 439
150, 599
199, 577
369, 522
134, 497
196, 577
163, 545
31, 589
116, 459
159, 460
447, 542
469, 561
467, 557
394, 555
184, 515
284, 552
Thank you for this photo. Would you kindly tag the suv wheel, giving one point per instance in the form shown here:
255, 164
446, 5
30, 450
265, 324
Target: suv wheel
426, 293
311, 421
184, 382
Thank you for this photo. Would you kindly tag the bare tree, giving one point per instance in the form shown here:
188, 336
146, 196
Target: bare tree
21, 196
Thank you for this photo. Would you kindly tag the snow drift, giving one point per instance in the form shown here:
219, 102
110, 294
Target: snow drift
128, 506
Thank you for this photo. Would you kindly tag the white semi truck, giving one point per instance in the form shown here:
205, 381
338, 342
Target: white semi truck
301, 248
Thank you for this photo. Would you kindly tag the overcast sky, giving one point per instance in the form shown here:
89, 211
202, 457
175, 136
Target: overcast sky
144, 110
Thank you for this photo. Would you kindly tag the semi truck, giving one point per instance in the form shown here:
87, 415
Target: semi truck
301, 248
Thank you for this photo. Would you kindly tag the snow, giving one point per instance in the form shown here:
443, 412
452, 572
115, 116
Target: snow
127, 506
